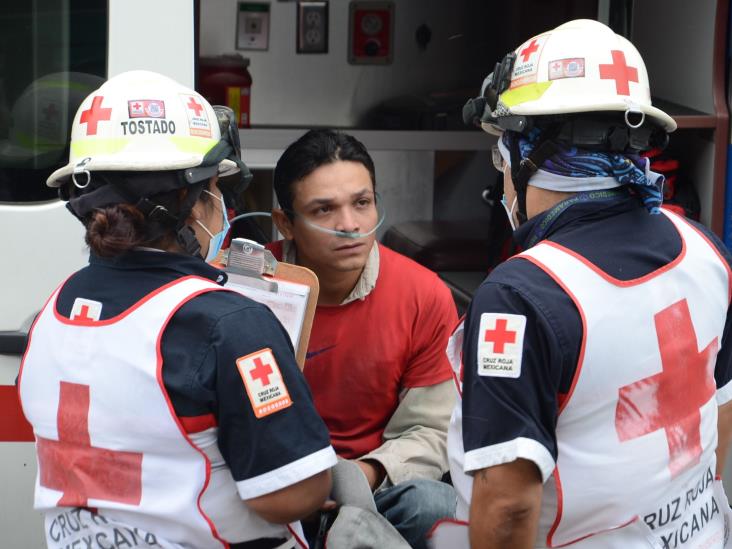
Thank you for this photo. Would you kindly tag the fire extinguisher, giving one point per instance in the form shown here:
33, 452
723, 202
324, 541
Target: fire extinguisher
225, 80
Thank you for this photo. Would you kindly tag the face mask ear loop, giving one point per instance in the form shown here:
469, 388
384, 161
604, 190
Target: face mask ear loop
209, 233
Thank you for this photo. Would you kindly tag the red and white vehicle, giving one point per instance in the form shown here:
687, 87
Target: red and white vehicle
61, 52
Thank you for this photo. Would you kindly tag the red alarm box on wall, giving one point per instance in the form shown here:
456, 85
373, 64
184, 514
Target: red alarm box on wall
225, 80
371, 33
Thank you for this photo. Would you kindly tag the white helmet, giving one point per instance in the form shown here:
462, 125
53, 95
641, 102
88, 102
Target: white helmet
581, 66
143, 121
41, 118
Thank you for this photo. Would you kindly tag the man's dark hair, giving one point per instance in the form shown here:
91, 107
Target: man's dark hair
313, 150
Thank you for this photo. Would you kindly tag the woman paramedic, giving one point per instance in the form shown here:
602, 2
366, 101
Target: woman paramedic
168, 411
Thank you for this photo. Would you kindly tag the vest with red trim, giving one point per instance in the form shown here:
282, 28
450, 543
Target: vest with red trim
108, 439
637, 433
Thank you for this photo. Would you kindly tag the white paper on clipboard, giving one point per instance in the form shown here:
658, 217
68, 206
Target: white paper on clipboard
288, 303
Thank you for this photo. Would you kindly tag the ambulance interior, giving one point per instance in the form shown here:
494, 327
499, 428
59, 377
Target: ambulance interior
393, 73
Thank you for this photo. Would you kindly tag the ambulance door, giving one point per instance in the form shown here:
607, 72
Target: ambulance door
52, 54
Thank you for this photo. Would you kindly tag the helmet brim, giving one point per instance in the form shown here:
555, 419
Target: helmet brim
62, 175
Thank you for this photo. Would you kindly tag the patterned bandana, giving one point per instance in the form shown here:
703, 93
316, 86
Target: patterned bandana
572, 170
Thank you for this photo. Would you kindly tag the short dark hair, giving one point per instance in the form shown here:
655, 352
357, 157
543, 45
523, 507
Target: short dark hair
311, 151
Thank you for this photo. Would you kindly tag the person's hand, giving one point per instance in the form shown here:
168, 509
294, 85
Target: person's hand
374, 471
328, 505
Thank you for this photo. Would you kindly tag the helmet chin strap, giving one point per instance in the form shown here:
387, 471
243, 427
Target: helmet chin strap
184, 234
523, 168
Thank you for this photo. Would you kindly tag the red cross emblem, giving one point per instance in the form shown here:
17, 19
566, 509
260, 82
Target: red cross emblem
197, 107
95, 114
620, 72
499, 336
261, 371
528, 50
50, 112
670, 400
83, 317
81, 471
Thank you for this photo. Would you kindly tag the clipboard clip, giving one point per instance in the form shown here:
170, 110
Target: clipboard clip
252, 260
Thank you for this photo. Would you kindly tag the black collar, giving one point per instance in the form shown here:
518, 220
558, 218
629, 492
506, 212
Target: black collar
183, 265
581, 207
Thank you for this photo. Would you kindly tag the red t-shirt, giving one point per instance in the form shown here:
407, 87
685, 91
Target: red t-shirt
363, 354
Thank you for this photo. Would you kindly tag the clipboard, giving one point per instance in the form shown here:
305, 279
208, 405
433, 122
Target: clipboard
290, 291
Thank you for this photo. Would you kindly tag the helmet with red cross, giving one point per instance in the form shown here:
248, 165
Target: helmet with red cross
577, 68
144, 121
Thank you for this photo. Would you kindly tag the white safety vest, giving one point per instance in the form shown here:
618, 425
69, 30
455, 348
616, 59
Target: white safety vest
108, 439
636, 434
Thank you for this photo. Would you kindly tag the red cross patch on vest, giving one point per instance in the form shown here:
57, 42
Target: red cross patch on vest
264, 384
501, 344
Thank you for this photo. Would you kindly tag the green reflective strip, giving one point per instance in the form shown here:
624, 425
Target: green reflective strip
99, 146
65, 84
34, 142
192, 144
522, 94
95, 147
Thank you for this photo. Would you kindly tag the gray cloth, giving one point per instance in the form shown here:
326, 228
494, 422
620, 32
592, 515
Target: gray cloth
357, 528
358, 524
350, 486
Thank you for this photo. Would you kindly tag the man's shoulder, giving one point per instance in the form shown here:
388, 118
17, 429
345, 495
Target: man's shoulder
515, 271
405, 277
395, 263
276, 247
712, 238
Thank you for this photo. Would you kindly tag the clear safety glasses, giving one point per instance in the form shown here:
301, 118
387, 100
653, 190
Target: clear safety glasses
365, 214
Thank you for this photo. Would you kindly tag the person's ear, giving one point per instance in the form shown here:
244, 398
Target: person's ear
283, 223
197, 211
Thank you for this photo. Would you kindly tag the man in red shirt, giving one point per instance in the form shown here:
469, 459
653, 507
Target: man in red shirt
376, 360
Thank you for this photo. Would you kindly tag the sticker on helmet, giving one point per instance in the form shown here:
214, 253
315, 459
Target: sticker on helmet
567, 68
147, 127
49, 126
198, 121
526, 67
95, 114
146, 108
620, 72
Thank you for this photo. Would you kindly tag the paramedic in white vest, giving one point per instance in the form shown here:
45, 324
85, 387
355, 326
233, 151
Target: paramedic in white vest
594, 366
167, 410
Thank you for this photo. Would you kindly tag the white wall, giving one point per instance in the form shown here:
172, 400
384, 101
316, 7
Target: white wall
305, 90
144, 35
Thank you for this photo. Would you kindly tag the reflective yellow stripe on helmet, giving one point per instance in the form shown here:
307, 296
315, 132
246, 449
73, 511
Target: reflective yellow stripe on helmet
112, 145
192, 144
523, 94
98, 146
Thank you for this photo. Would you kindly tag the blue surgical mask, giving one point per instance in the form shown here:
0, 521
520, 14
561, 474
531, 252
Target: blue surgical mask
509, 211
217, 240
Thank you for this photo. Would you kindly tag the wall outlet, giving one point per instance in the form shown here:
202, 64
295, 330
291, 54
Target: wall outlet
312, 26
